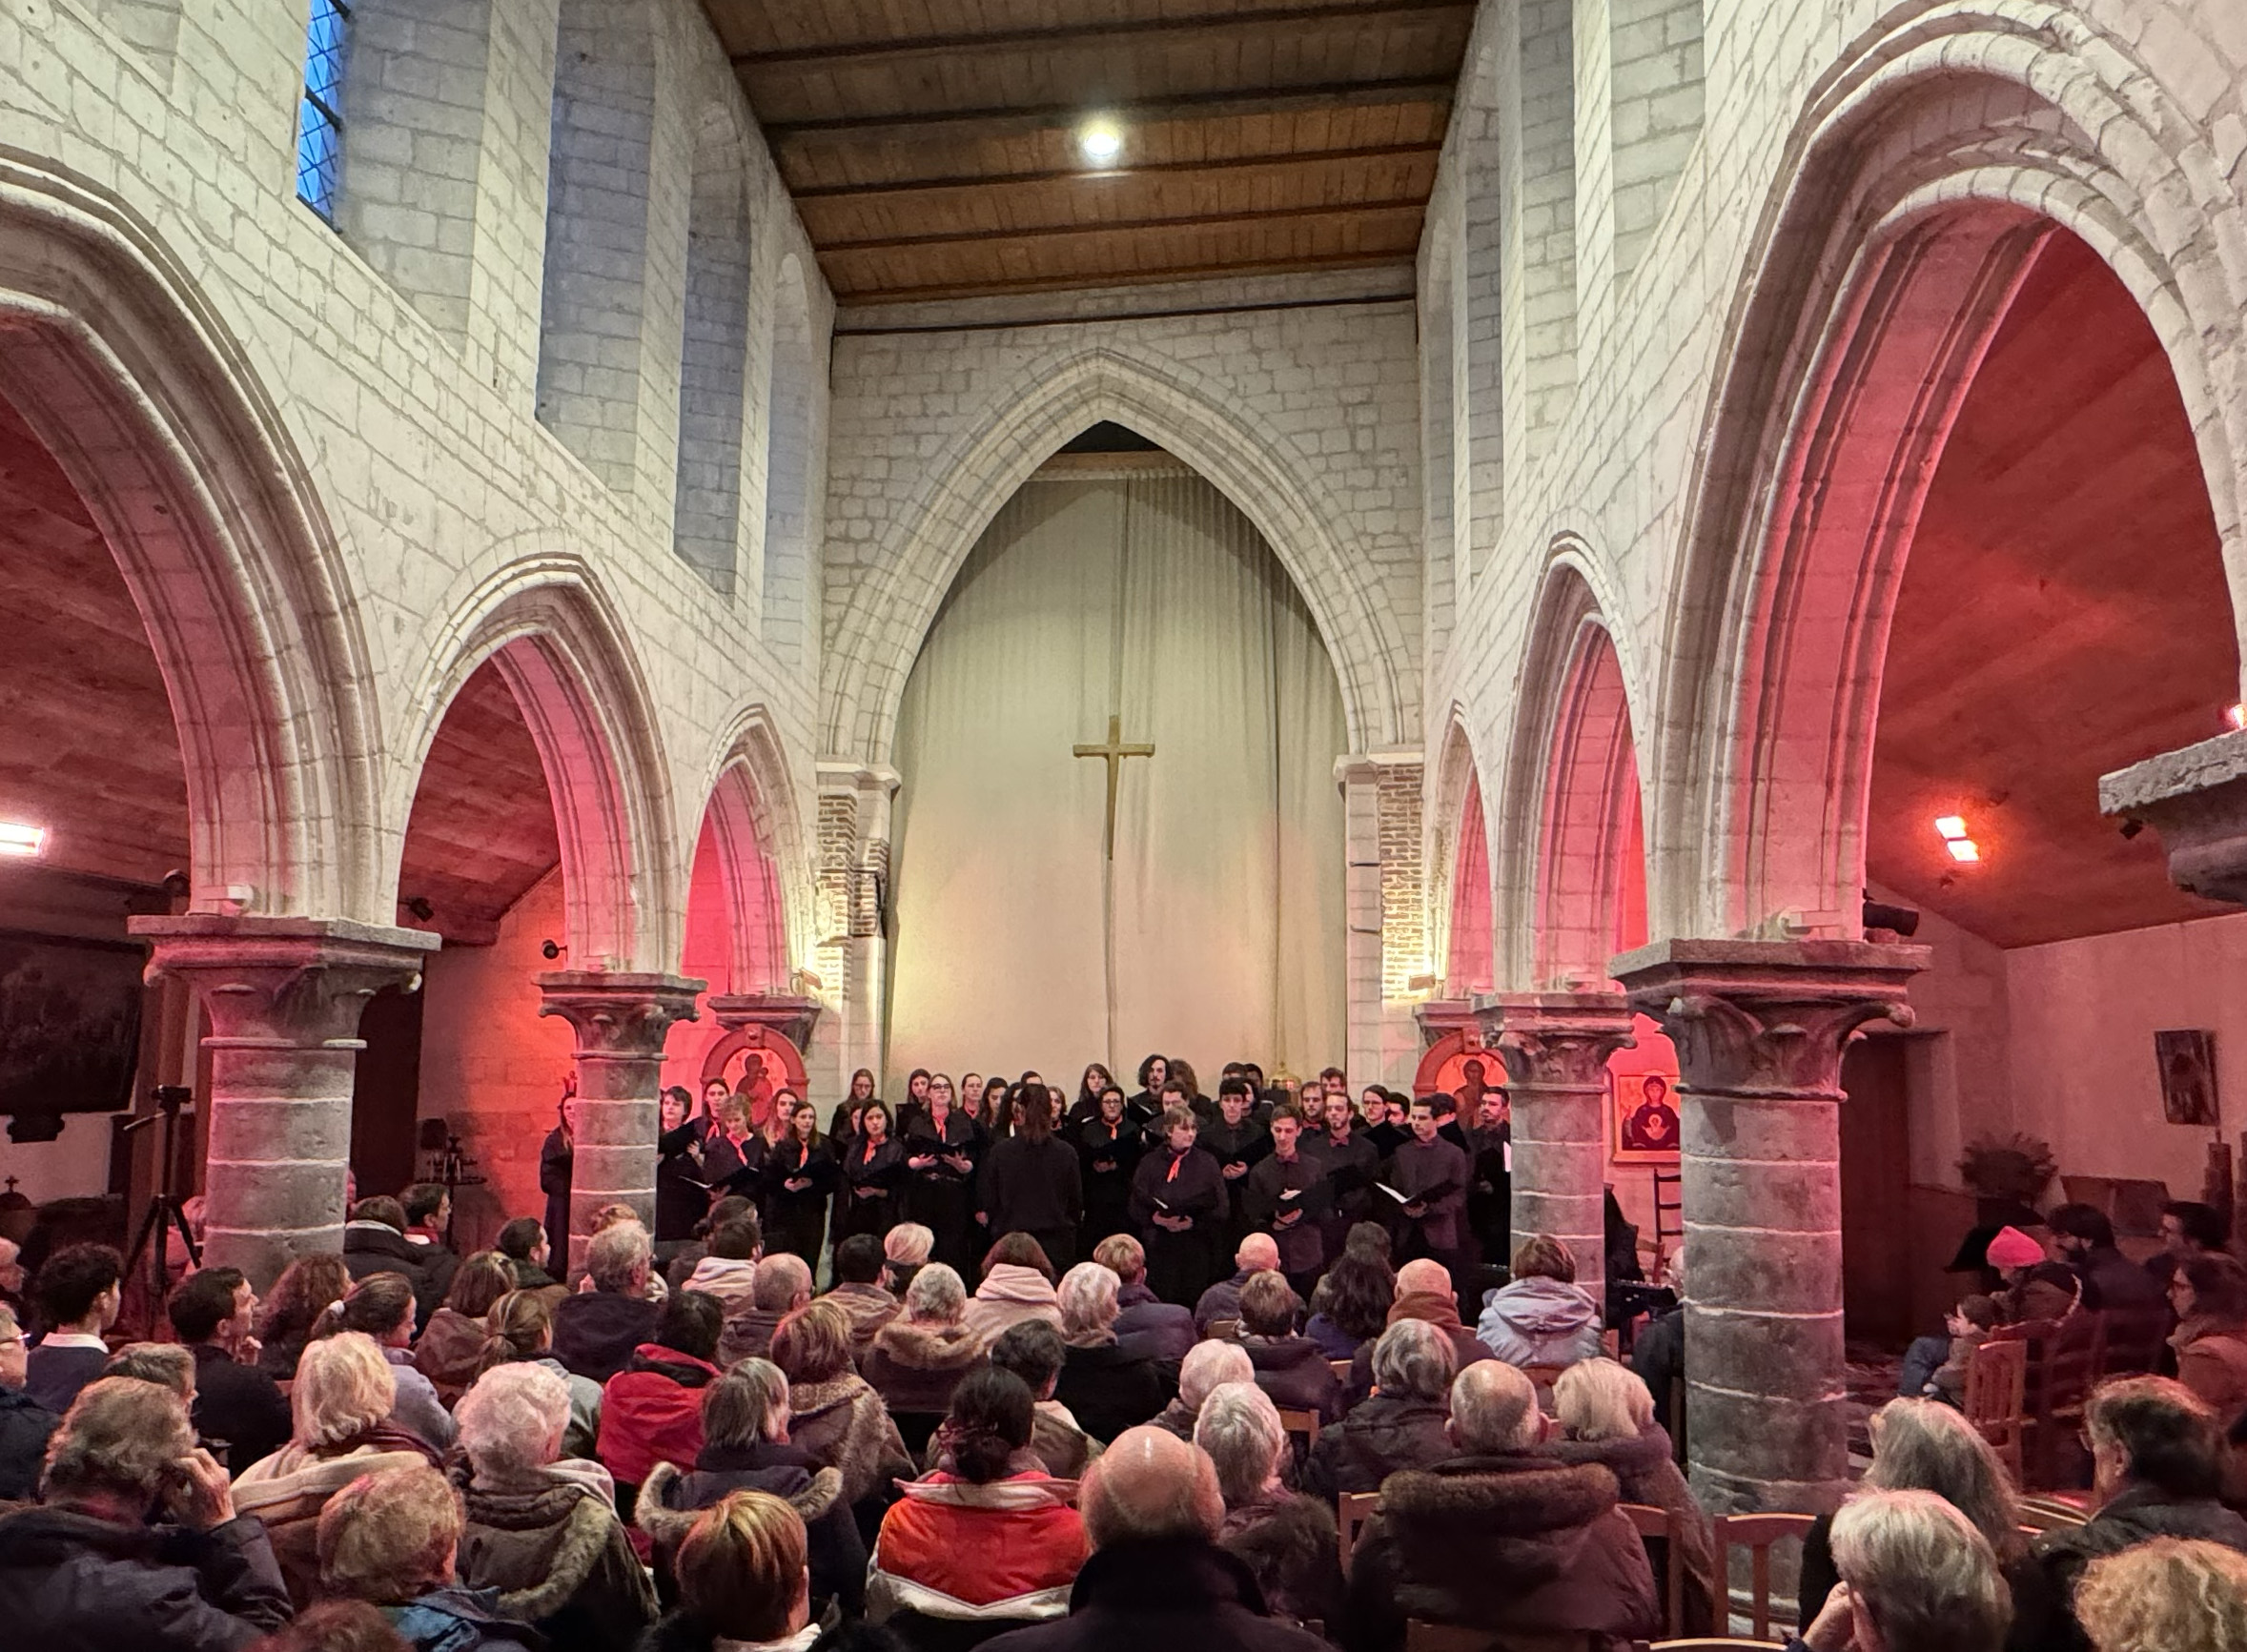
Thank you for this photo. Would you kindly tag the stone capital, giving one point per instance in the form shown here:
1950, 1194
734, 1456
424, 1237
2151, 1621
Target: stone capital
2195, 797
1767, 1018
616, 1013
1558, 1039
790, 1016
291, 981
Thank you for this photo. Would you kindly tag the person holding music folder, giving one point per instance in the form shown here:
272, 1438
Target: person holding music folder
1426, 1190
1178, 1199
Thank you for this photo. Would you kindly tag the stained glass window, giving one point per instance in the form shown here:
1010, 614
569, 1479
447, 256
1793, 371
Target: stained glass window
319, 122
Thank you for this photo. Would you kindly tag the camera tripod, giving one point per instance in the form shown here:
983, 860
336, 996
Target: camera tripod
166, 1209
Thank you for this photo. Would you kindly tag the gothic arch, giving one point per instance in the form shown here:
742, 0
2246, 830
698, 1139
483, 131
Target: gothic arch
1921, 179
561, 646
757, 831
156, 414
1457, 816
890, 612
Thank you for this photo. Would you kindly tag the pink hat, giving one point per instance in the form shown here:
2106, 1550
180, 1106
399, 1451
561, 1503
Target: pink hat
2013, 1249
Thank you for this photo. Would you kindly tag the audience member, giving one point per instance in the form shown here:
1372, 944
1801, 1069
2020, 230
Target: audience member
1935, 1367
917, 1359
1424, 1293
681, 1257
2084, 1239
1502, 1538
858, 1290
1144, 1322
1658, 1355
391, 1540
906, 1249
1542, 1316
1350, 1305
743, 1581
1289, 1366
1034, 1352
729, 1267
1400, 1425
2189, 1228
1106, 1386
1017, 1285
834, 1415
2035, 1288
239, 1412
382, 1306
375, 1242
336, 1626
1256, 1254
88, 1569
520, 1329
2166, 1595
25, 1424
525, 1243
783, 1285
595, 1331
541, 1532
307, 1287
166, 1364
1206, 1366
77, 1293
746, 1448
2209, 1294
1916, 1577
448, 1350
1287, 1540
429, 1213
651, 1411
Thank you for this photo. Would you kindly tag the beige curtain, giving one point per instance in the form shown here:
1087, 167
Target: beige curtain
1137, 588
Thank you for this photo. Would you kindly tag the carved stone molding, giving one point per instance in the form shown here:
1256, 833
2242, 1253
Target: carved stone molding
1560, 1040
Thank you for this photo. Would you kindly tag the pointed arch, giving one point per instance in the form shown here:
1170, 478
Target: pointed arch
1461, 930
756, 831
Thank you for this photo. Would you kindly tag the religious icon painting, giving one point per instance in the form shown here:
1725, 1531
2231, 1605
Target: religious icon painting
1644, 1108
2187, 1060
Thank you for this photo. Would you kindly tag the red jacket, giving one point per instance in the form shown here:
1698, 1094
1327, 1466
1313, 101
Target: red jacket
651, 1412
1015, 1540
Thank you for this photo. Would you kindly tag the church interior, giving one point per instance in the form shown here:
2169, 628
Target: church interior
1684, 556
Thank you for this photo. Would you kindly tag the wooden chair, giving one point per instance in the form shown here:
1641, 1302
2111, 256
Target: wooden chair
1756, 1534
1351, 1511
1342, 1370
1669, 1217
1302, 1423
1223, 1331
2071, 1359
1650, 1524
1996, 1388
2134, 1338
1543, 1376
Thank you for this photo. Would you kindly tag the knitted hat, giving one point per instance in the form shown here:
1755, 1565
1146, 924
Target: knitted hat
2013, 1249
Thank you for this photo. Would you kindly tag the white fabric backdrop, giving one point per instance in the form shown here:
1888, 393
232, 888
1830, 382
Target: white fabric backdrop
1229, 840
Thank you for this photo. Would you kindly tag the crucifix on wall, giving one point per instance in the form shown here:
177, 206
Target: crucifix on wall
1113, 751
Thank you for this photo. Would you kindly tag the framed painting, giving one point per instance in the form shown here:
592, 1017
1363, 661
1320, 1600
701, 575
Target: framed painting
2187, 1060
1644, 1106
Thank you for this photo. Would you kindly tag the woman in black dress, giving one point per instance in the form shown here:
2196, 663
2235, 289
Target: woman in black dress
1179, 1200
873, 1176
1108, 1151
844, 1124
916, 1101
1087, 1107
799, 1176
682, 1194
942, 1148
1030, 1183
732, 1152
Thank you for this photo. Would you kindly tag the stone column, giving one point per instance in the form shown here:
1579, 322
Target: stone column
284, 996
790, 1016
1555, 1046
621, 1021
2197, 799
855, 801
1759, 1028
1385, 916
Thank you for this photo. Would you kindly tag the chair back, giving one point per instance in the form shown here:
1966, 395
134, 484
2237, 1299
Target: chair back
1651, 1524
1351, 1511
1223, 1331
1996, 1388
1756, 1534
1342, 1369
1302, 1423
2134, 1338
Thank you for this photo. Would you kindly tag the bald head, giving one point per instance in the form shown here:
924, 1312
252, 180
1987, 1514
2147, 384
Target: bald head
1424, 1276
1148, 1486
1494, 1408
1258, 1252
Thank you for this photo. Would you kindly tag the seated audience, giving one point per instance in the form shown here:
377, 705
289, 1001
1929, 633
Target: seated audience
306, 1289
858, 1290
448, 1350
834, 1415
375, 1242
783, 1285
391, 1540
2156, 1460
1350, 1306
1256, 1254
1206, 1365
1917, 1577
1935, 1367
746, 1448
1921, 1445
1156, 1576
525, 1243
743, 1581
541, 1532
238, 1411
429, 1213
2084, 1239
1542, 1316
1424, 1293
1286, 1539
906, 1249
2209, 1294
1144, 1322
382, 1306
727, 1269
988, 1535
651, 1411
25, 1424
340, 1403
1501, 1538
596, 1331
2035, 1288
88, 1569
77, 1292
1400, 1425
520, 1329
1289, 1366
1106, 1386
685, 1256
2189, 1228
336, 1626
1034, 1352
917, 1359
1608, 1417
2167, 1595
1017, 1285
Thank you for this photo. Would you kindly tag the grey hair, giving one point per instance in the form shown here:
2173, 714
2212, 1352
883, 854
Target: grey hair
1240, 1428
1414, 1360
1206, 1365
1924, 1445
1599, 1400
343, 1388
937, 1293
1088, 1307
617, 1257
909, 1244
512, 1420
1927, 1577
1494, 1408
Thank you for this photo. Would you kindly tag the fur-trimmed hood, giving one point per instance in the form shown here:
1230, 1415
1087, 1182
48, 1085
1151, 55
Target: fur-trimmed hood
926, 1347
1521, 1518
538, 1546
671, 1501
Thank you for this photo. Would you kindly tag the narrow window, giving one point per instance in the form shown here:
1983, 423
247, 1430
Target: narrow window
319, 122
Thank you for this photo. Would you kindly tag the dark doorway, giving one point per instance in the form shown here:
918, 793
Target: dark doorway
386, 1095
1875, 1180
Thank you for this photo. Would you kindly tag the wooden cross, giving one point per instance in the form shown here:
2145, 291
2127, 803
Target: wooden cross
1114, 751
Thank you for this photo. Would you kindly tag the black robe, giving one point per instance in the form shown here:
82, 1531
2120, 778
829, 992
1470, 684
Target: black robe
872, 1179
796, 1221
940, 1196
1242, 1144
1179, 1264
556, 1158
1302, 1246
682, 1189
1106, 1159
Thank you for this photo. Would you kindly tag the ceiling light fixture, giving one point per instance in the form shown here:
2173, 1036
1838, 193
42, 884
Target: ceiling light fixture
21, 840
1100, 141
1950, 827
1963, 849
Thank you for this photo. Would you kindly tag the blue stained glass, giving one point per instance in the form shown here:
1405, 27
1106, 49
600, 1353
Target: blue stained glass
319, 119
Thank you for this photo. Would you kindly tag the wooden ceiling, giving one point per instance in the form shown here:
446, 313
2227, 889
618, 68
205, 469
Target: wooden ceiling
931, 145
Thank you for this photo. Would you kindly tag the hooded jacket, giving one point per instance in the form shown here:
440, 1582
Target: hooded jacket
835, 1553
1646, 1472
288, 1490
1181, 1595
69, 1580
1380, 1436
446, 1352
1008, 1294
558, 1560
914, 1365
457, 1620
1296, 1375
1507, 1542
651, 1412
1539, 1321
731, 1279
843, 1425
949, 1548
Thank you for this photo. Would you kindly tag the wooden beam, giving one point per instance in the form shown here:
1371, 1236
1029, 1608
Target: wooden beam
1005, 120
1413, 203
861, 194
852, 54
1401, 257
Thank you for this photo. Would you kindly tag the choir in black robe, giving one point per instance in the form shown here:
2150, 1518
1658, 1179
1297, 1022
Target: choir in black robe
1349, 1164
1433, 1175
731, 1166
1184, 1185
1243, 1144
941, 1195
795, 1218
1490, 1196
1302, 1246
682, 1194
874, 1177
1106, 1159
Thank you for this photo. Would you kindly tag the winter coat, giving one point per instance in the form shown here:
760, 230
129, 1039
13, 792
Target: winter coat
2044, 1618
1381, 1436
2112, 1281
25, 1425
1508, 1543
842, 1424
731, 1279
914, 1365
1181, 1595
1435, 1308
417, 1408
2212, 1361
595, 1332
685, 1632
553, 1549
447, 1350
748, 1334
1109, 1388
1031, 1186
238, 1406
651, 1412
1537, 1322
951, 1549
457, 1620
1289, 1542
1146, 1324
288, 1490
1220, 1301
1296, 1375
68, 1580
370, 1248
1008, 1294
835, 1553
1061, 1444
868, 1308
1334, 1342
1646, 1472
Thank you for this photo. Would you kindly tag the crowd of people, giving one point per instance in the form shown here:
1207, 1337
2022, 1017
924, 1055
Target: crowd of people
689, 1443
